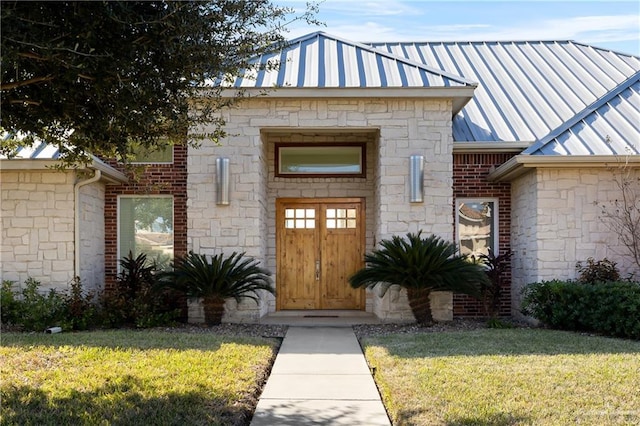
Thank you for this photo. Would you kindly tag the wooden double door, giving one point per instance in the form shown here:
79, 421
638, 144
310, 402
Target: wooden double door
319, 245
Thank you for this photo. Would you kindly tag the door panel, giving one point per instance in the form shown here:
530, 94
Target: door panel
320, 243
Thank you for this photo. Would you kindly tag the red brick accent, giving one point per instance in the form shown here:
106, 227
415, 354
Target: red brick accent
470, 181
156, 179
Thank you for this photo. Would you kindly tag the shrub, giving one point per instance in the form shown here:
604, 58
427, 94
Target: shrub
82, 312
598, 271
30, 309
137, 300
491, 290
611, 308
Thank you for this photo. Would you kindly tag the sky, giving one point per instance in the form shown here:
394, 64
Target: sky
611, 25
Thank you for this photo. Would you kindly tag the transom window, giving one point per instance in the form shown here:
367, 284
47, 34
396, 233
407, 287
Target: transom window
477, 226
296, 160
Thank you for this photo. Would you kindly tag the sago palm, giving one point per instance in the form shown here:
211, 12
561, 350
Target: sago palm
420, 265
217, 279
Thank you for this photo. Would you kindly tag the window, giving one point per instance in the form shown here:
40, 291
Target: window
143, 155
145, 225
295, 160
477, 226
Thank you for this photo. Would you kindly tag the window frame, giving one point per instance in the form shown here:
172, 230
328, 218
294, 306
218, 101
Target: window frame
118, 221
363, 159
495, 220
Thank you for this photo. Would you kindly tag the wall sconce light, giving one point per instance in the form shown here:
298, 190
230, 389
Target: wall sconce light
222, 181
416, 178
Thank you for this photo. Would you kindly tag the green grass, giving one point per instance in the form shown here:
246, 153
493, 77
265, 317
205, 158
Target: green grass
130, 377
507, 377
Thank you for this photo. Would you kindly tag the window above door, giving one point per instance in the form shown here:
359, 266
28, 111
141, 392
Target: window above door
320, 160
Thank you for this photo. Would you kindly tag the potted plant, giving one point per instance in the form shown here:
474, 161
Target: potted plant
420, 265
217, 279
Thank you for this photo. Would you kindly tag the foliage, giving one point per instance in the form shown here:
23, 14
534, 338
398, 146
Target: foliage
611, 308
420, 265
9, 304
598, 271
32, 310
235, 276
491, 290
119, 377
101, 77
137, 300
506, 377
622, 215
82, 311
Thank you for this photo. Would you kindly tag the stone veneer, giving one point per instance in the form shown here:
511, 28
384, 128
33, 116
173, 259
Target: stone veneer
556, 223
37, 225
401, 128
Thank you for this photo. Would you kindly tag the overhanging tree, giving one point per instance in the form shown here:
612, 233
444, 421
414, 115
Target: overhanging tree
100, 77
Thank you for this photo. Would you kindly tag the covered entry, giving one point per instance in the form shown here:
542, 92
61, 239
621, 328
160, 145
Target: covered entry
319, 244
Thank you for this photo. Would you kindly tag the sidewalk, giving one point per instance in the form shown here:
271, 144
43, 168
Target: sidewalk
320, 377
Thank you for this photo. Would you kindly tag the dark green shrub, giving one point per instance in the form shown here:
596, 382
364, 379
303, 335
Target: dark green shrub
611, 308
33, 310
82, 312
598, 271
137, 300
9, 305
491, 290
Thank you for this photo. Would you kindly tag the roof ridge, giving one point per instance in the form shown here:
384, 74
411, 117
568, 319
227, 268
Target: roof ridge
589, 109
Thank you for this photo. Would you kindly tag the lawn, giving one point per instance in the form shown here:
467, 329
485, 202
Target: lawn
507, 377
131, 377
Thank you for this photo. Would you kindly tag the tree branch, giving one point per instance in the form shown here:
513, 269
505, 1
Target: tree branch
17, 84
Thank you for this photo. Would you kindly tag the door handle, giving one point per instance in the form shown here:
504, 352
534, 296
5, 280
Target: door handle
317, 270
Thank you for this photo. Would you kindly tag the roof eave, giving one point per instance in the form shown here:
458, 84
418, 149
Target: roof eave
462, 147
521, 164
109, 174
460, 95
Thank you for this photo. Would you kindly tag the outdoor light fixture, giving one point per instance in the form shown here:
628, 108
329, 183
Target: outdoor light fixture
222, 181
416, 178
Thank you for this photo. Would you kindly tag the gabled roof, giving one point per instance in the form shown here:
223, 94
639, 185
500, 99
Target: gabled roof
320, 60
600, 129
527, 89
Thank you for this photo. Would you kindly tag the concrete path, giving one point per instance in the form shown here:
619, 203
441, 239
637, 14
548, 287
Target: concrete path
320, 377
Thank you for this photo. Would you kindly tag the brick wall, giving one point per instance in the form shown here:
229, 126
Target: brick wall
156, 179
470, 172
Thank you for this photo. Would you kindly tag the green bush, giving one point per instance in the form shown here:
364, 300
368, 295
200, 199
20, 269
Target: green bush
30, 309
611, 308
598, 271
137, 300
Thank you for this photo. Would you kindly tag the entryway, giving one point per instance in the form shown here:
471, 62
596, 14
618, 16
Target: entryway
319, 244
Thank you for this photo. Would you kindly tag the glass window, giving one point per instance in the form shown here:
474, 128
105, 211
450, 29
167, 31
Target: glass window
299, 218
145, 225
320, 160
143, 155
341, 218
477, 226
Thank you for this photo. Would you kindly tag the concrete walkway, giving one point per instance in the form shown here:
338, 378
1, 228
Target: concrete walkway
320, 377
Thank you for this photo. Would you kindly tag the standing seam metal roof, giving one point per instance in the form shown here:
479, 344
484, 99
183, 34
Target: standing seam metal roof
527, 89
320, 60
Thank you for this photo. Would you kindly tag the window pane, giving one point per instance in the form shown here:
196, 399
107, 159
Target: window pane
143, 155
146, 226
320, 159
476, 228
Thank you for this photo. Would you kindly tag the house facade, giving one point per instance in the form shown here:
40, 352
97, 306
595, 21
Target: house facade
508, 146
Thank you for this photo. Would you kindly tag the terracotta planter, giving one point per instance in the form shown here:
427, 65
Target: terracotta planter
420, 304
213, 310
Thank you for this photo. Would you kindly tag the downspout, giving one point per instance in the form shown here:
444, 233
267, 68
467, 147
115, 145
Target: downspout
76, 201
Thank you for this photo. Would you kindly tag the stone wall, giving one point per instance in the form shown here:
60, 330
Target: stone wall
405, 127
92, 236
564, 225
37, 227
